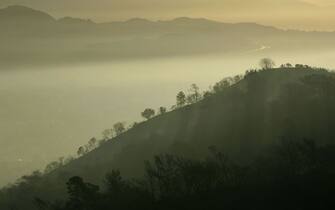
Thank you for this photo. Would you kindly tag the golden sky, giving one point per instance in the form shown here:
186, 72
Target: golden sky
298, 14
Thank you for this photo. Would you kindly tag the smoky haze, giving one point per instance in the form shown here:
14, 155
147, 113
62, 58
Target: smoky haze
35, 38
302, 14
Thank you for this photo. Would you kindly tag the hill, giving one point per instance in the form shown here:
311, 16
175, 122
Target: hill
21, 14
34, 38
241, 118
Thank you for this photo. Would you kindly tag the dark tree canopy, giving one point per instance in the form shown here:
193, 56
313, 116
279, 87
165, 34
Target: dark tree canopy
148, 113
181, 99
119, 128
162, 110
300, 173
267, 63
194, 94
81, 151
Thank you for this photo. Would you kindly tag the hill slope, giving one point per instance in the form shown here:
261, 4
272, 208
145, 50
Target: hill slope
241, 120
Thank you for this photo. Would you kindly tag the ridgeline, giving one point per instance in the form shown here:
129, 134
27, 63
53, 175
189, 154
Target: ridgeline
243, 118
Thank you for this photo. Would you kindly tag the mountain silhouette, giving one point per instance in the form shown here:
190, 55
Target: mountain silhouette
74, 21
21, 14
241, 120
139, 39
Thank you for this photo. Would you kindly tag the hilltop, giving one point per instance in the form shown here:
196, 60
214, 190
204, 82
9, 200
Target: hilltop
20, 14
240, 117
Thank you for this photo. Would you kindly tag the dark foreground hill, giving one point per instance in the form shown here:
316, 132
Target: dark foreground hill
241, 120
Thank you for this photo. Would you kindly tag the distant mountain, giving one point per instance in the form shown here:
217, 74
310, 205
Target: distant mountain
241, 120
70, 20
21, 14
32, 38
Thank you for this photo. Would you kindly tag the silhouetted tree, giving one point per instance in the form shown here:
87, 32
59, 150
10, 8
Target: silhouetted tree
222, 85
237, 78
181, 99
133, 125
267, 63
92, 143
81, 151
194, 95
286, 65
207, 94
52, 166
299, 66
108, 134
82, 195
162, 110
148, 113
119, 128
114, 183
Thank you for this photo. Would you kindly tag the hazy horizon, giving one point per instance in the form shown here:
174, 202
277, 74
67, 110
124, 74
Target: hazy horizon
287, 14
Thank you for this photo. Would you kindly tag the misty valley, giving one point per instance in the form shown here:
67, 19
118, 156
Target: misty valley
185, 113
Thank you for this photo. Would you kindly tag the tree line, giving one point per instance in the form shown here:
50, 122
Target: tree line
292, 175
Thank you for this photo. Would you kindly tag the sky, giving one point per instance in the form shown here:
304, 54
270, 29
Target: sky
291, 14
